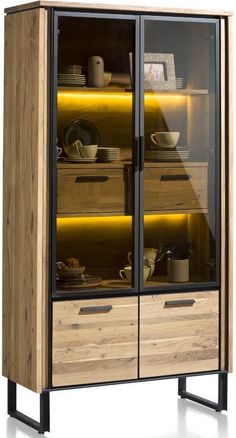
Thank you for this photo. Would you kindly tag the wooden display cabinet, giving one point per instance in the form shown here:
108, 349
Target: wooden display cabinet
117, 264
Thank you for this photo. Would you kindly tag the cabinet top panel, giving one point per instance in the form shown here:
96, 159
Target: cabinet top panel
113, 8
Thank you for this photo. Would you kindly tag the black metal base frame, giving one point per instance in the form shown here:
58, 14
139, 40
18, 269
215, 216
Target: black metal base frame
221, 405
44, 424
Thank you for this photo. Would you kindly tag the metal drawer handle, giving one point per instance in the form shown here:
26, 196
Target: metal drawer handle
179, 303
97, 309
175, 177
91, 178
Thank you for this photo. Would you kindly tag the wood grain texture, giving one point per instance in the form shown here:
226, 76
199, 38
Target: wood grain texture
76, 195
125, 8
175, 195
91, 348
25, 200
180, 339
229, 72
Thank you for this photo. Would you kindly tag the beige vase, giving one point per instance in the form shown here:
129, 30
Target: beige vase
178, 270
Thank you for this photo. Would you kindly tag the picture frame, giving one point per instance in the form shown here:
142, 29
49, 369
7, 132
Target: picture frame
159, 71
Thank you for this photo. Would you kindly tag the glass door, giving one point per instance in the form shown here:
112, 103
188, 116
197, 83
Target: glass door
180, 130
96, 127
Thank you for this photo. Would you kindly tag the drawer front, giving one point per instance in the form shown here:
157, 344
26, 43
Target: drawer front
92, 191
175, 189
179, 333
94, 341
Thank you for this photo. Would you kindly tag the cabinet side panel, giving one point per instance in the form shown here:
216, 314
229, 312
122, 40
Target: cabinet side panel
223, 201
25, 199
229, 73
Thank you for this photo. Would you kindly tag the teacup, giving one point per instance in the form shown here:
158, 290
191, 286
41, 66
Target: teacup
165, 139
88, 151
126, 273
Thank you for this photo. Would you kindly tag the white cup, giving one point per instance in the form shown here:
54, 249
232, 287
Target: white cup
165, 139
126, 273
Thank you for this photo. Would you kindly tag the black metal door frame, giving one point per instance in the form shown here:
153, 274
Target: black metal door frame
205, 286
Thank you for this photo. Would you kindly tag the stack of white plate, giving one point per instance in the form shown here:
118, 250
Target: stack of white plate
71, 75
179, 83
72, 79
71, 69
166, 155
108, 154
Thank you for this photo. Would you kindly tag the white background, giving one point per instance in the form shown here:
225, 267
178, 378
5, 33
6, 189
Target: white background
141, 410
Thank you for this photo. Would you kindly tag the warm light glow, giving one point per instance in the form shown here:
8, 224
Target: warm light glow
114, 100
174, 218
116, 220
94, 222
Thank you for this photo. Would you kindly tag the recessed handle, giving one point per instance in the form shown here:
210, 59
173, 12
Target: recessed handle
141, 164
97, 309
175, 177
179, 303
91, 178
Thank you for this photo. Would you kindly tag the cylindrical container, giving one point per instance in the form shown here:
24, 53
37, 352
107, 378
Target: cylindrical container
178, 270
96, 72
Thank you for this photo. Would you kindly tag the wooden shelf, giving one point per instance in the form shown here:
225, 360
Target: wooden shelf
179, 92
118, 284
120, 164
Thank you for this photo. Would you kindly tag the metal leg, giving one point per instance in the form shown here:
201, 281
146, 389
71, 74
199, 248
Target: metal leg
44, 424
222, 394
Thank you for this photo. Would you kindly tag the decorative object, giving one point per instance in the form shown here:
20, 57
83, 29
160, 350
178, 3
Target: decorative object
107, 78
177, 260
178, 270
159, 71
149, 258
83, 130
96, 72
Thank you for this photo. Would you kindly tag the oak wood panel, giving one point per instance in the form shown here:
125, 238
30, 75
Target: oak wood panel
25, 200
72, 5
90, 348
179, 339
178, 195
97, 197
223, 199
229, 72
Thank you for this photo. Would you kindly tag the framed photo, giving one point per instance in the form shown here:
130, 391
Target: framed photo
159, 71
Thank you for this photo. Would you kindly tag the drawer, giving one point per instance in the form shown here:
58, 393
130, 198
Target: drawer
92, 191
94, 341
175, 188
179, 333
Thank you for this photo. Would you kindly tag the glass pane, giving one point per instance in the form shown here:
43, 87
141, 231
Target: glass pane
181, 153
95, 130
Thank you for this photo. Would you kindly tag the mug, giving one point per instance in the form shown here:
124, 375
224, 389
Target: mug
126, 273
